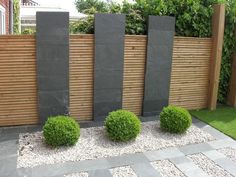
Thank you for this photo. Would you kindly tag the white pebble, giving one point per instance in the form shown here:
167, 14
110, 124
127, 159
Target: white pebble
167, 169
229, 152
125, 171
208, 166
93, 143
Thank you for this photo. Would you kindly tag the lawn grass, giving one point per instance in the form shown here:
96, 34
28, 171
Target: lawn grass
223, 119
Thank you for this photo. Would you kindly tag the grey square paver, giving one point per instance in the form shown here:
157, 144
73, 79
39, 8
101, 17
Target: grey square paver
24, 172
8, 149
195, 120
100, 173
8, 166
86, 165
188, 167
126, 159
195, 173
12, 174
145, 170
222, 161
215, 133
69, 167
195, 148
200, 124
8, 136
222, 143
227, 164
214, 155
180, 160
163, 154
49, 170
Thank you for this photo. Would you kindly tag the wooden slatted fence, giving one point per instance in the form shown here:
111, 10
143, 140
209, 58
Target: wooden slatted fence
18, 91
81, 76
189, 76
134, 69
190, 72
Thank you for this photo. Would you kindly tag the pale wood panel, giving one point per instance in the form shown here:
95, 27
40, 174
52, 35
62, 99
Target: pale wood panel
134, 68
189, 77
18, 89
190, 72
218, 24
81, 76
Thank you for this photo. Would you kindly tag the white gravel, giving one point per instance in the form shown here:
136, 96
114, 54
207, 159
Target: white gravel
229, 152
125, 171
81, 174
208, 166
93, 143
167, 169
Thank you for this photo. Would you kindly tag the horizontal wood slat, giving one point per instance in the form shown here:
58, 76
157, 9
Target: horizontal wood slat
190, 72
134, 68
18, 90
81, 77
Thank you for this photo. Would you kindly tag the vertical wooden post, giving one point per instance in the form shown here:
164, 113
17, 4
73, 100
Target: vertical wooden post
232, 87
218, 21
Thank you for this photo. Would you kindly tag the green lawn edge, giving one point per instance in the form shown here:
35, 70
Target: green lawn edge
223, 119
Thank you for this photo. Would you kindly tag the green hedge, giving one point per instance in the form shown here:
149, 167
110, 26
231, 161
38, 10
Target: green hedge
193, 18
175, 119
122, 125
61, 131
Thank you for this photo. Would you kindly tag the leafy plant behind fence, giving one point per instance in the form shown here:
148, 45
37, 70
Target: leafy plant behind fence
16, 16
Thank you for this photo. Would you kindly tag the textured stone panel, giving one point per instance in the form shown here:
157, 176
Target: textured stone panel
158, 65
108, 65
52, 47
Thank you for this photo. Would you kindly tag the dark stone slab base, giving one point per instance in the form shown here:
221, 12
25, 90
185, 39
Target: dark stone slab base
158, 65
108, 64
52, 48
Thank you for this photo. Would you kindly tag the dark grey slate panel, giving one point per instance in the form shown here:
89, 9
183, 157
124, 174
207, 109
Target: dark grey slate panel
111, 79
100, 108
161, 31
108, 64
112, 52
52, 48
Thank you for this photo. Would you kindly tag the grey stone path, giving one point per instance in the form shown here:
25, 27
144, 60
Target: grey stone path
139, 162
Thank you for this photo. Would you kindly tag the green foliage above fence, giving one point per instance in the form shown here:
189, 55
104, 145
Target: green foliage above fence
16, 16
29, 31
83, 26
193, 18
228, 49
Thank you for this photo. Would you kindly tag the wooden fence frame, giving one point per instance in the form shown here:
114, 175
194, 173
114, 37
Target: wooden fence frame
218, 22
211, 55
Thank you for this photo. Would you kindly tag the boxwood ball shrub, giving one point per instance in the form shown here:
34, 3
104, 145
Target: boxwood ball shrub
122, 125
61, 131
175, 119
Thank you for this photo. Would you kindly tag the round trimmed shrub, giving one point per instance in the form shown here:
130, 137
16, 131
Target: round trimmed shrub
61, 131
122, 125
175, 119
